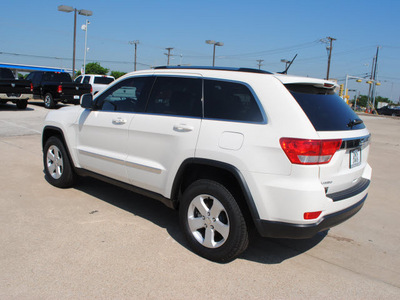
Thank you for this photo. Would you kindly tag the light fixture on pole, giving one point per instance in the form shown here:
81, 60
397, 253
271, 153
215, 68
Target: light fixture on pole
211, 42
84, 27
84, 12
286, 62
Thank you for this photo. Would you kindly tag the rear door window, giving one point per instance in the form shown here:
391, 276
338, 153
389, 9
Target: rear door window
227, 100
325, 109
177, 96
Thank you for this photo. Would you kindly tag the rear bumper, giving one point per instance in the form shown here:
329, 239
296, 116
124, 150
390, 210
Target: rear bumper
302, 231
15, 97
70, 98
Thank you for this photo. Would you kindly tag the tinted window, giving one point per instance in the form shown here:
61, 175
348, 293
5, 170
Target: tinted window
56, 77
86, 79
176, 96
325, 109
103, 80
129, 95
78, 79
230, 101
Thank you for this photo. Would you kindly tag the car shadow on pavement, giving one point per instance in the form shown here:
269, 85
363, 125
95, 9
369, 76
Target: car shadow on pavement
41, 104
261, 250
13, 107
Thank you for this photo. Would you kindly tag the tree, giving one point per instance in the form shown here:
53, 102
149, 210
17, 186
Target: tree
117, 74
95, 68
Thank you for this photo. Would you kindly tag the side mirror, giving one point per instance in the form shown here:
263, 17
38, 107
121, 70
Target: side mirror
87, 101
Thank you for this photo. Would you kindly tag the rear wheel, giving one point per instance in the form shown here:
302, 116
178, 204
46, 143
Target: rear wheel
49, 101
212, 221
22, 104
57, 165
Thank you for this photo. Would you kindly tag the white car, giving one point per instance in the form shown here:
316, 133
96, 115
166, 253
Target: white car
230, 148
98, 82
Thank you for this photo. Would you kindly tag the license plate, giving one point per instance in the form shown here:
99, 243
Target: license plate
76, 97
355, 158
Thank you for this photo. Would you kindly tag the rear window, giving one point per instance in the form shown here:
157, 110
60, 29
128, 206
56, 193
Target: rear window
6, 74
57, 77
325, 109
103, 80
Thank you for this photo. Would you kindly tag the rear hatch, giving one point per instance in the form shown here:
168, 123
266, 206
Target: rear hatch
333, 119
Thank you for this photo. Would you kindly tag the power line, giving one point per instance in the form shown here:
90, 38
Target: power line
69, 58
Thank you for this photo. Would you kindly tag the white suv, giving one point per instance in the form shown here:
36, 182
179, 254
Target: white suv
232, 149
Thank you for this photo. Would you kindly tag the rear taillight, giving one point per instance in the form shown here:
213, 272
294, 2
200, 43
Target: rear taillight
309, 152
91, 89
59, 90
31, 87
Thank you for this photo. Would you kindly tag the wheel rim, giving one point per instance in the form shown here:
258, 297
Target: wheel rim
208, 221
55, 163
47, 101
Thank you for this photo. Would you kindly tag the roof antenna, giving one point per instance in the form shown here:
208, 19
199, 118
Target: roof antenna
287, 68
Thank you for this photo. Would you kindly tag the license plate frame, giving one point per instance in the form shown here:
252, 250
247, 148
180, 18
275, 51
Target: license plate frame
355, 158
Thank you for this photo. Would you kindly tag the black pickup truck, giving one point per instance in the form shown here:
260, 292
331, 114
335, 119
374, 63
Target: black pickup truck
11, 89
54, 87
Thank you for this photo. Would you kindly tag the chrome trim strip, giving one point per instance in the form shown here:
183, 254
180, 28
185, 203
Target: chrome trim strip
121, 162
143, 167
104, 157
351, 143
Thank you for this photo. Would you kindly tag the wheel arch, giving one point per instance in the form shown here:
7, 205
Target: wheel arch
194, 169
48, 132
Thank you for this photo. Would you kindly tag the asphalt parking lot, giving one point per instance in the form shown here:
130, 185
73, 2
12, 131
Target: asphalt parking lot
97, 241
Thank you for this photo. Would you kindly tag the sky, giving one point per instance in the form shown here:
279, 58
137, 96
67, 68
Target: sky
36, 33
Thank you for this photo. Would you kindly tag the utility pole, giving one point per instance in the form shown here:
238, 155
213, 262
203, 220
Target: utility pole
260, 63
329, 48
168, 54
134, 43
375, 72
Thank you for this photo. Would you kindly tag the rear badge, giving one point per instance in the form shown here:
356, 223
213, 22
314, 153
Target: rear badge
355, 158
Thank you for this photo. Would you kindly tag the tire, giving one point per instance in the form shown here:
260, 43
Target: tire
57, 165
22, 104
212, 221
49, 101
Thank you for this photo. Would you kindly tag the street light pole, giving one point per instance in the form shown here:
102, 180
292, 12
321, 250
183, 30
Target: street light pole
211, 42
85, 28
83, 12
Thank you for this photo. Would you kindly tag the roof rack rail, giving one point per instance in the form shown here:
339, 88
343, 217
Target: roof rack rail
248, 70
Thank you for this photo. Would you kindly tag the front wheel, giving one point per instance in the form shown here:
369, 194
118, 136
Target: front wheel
212, 221
57, 165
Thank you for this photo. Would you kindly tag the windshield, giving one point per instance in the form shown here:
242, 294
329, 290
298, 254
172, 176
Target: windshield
325, 109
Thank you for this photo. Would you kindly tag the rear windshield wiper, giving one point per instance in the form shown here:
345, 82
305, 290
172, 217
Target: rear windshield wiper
355, 122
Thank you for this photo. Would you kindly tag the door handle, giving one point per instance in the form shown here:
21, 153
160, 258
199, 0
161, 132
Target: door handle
183, 128
118, 121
